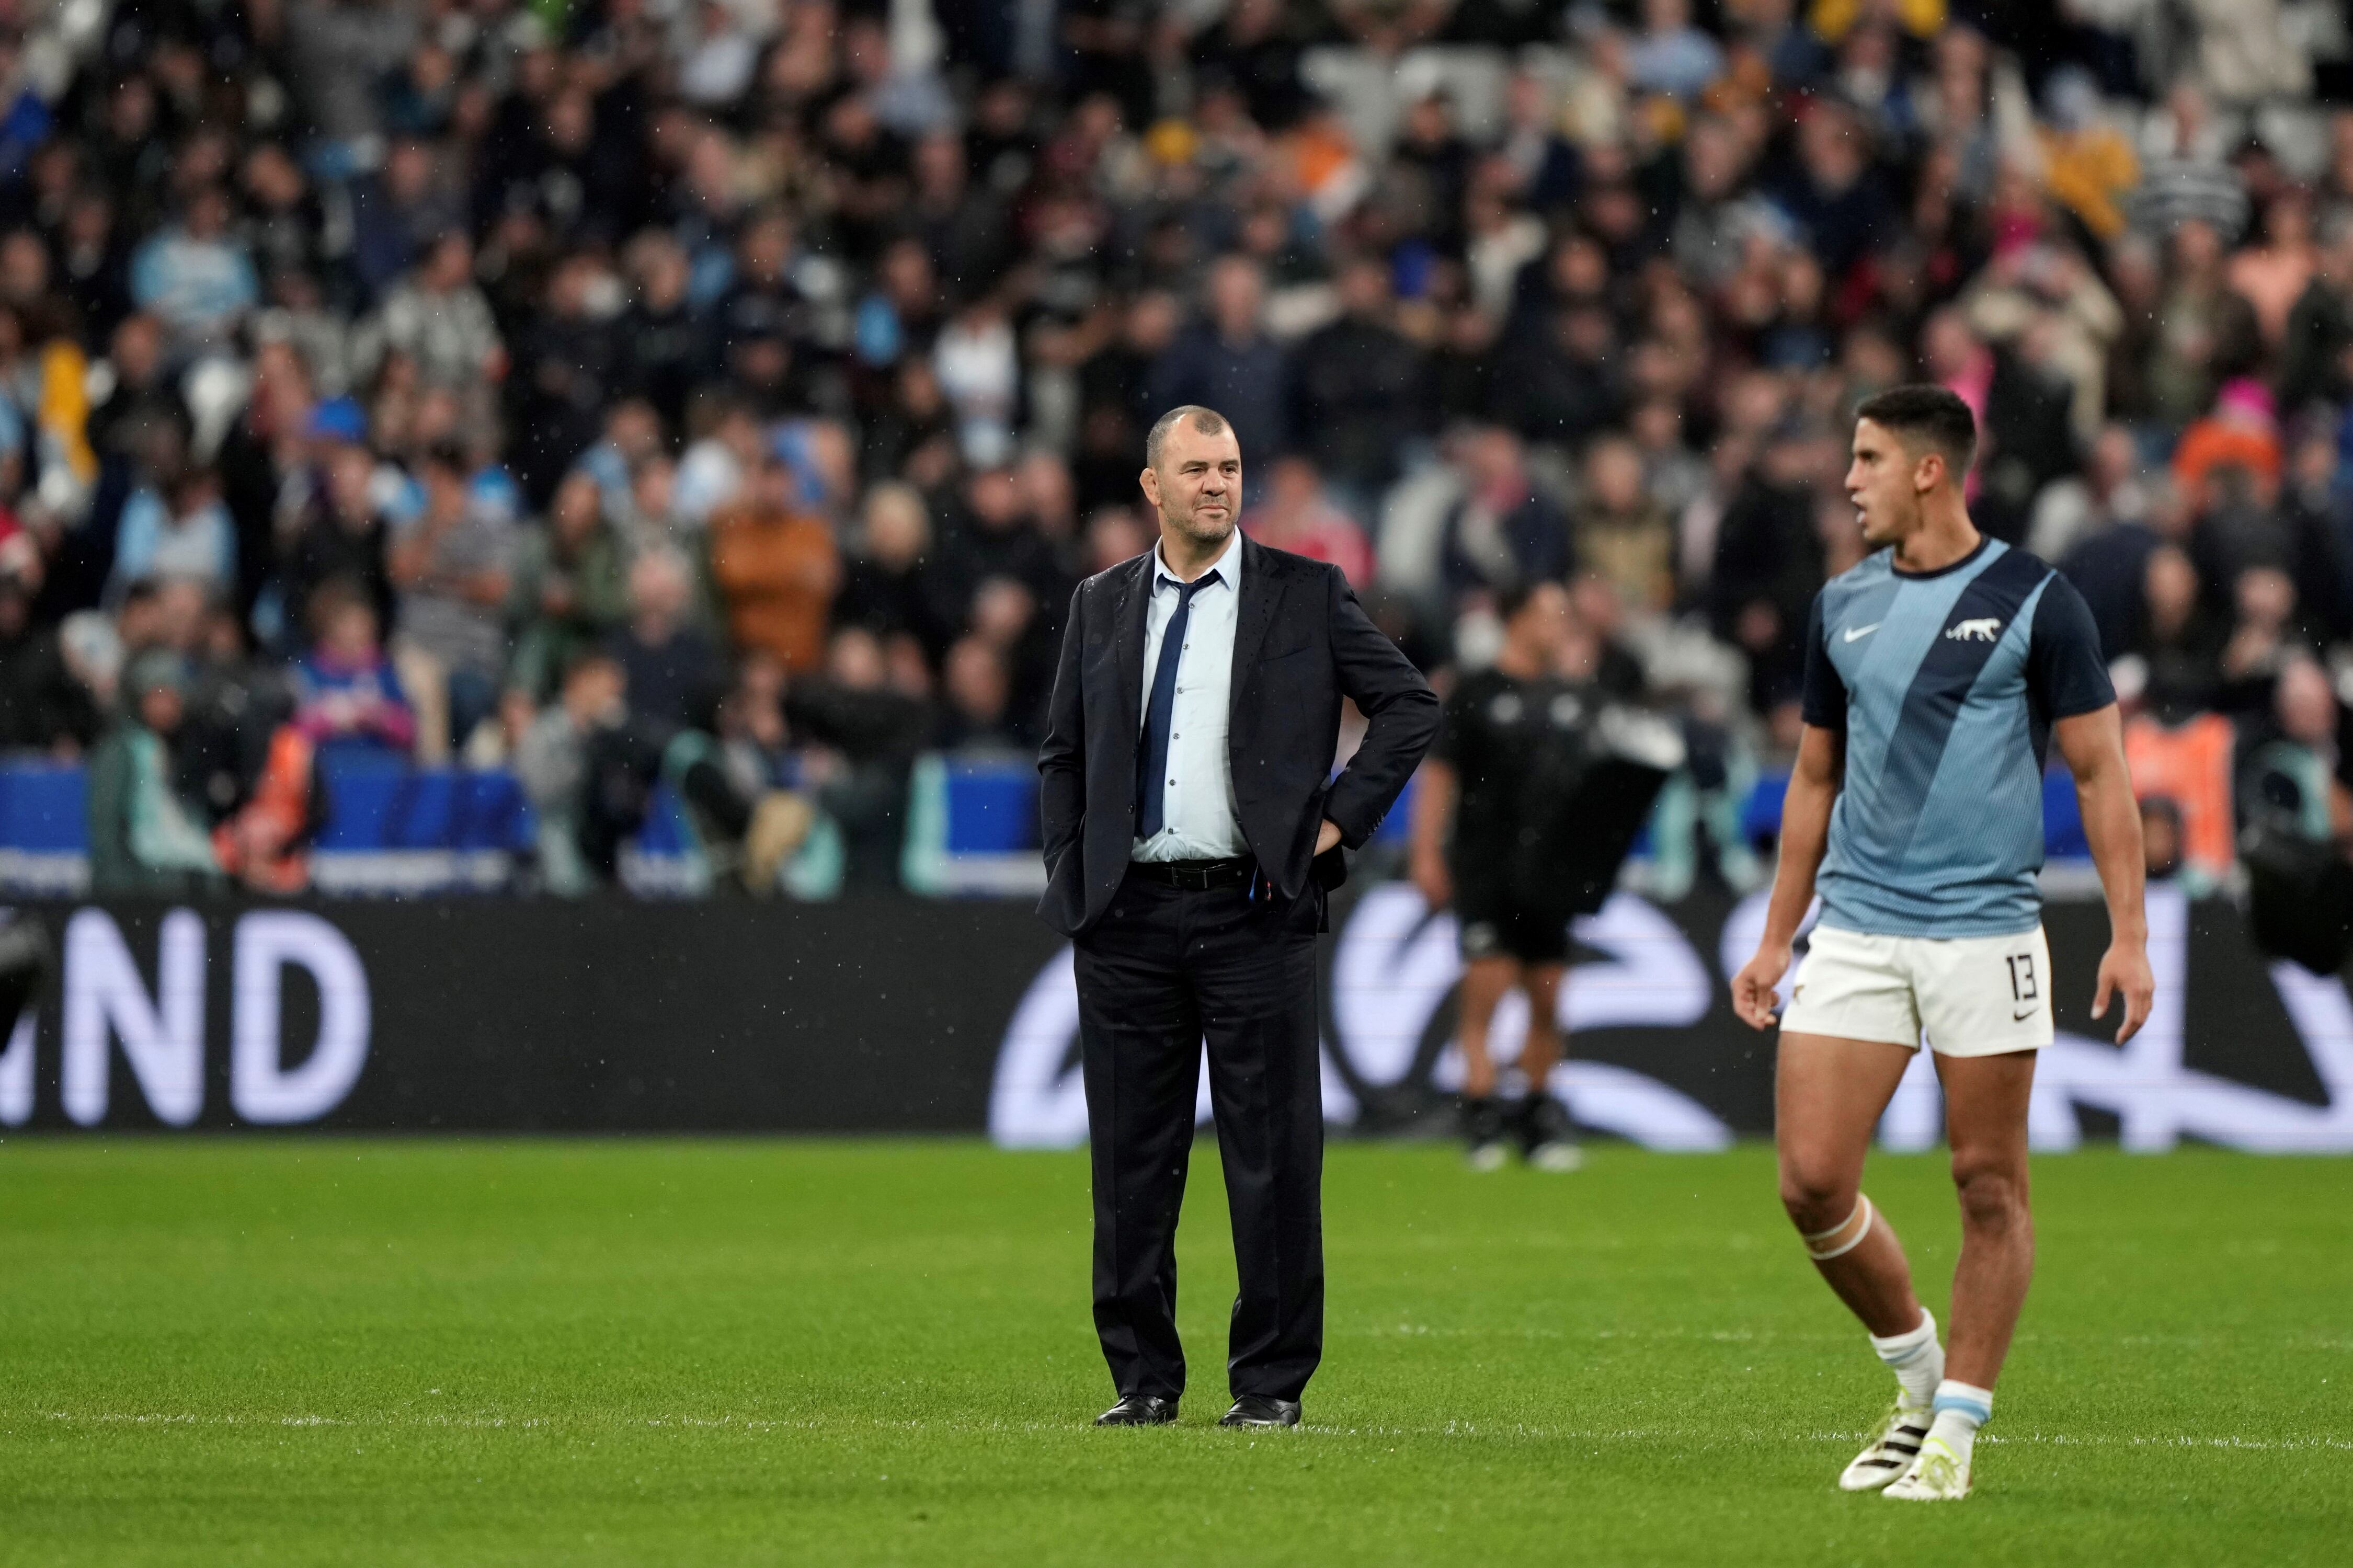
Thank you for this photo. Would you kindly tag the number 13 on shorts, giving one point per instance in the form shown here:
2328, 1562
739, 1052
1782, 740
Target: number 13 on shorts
2005, 1004
2024, 992
1983, 995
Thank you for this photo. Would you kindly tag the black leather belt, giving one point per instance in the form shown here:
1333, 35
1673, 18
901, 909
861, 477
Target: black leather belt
1197, 876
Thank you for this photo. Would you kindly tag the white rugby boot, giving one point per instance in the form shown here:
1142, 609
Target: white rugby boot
1938, 1475
1890, 1454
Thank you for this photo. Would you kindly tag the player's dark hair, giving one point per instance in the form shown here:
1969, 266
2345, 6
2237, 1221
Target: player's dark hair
1208, 421
1923, 416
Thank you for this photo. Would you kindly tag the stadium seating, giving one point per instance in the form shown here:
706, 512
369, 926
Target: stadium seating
393, 829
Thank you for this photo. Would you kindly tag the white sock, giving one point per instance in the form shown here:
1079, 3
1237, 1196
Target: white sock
1961, 1409
1916, 1360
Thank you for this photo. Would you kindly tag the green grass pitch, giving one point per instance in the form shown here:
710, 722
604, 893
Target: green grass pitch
262, 1352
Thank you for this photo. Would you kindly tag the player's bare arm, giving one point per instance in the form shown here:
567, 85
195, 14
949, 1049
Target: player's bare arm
1805, 835
2094, 746
1433, 808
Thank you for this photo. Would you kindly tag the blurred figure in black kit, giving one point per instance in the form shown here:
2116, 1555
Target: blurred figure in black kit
1510, 731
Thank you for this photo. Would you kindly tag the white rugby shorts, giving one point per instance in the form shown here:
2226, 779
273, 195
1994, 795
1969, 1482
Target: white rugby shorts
1974, 996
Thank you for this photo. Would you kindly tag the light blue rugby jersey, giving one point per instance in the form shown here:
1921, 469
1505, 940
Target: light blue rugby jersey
1946, 684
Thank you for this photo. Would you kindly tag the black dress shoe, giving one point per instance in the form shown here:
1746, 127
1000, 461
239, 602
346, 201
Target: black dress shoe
1141, 1410
1257, 1410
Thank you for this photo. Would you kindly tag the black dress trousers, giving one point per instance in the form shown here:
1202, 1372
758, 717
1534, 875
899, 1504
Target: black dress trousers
1164, 970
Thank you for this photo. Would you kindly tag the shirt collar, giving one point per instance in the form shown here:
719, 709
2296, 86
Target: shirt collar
1228, 565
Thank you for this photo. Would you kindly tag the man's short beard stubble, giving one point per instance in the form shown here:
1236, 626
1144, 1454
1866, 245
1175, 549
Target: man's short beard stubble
1193, 528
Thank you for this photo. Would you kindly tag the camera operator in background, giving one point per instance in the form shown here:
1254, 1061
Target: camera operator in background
1512, 741
147, 839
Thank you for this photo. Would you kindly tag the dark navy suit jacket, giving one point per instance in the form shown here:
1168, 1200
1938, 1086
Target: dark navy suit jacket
1300, 644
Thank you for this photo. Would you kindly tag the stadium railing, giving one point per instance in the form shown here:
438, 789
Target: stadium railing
394, 829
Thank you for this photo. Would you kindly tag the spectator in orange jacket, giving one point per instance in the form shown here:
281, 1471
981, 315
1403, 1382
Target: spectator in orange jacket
2241, 432
776, 569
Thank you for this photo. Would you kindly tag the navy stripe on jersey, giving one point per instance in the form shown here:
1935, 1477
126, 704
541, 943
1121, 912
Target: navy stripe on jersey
1940, 686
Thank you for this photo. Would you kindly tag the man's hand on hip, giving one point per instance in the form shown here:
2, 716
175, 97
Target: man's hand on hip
1327, 836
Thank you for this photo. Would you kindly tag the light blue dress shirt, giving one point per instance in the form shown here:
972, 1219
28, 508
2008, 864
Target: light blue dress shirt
1200, 820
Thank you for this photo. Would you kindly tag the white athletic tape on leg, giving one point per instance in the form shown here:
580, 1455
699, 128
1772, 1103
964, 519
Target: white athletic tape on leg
1823, 1245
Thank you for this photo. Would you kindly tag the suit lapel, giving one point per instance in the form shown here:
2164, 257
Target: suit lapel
1127, 647
1262, 583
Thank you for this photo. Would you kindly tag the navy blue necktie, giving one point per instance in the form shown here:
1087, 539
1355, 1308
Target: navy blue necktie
1151, 755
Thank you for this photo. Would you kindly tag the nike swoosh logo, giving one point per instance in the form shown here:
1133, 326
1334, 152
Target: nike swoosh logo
1854, 632
2021, 1017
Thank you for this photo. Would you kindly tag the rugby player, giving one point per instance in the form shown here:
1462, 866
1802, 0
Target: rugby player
1509, 729
1937, 672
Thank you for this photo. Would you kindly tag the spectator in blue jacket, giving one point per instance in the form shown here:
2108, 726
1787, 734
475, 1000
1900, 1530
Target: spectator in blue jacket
1228, 362
1505, 532
196, 278
180, 529
347, 694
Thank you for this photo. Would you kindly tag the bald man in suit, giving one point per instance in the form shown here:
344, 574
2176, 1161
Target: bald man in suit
1193, 831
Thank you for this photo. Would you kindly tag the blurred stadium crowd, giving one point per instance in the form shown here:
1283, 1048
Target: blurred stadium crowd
726, 394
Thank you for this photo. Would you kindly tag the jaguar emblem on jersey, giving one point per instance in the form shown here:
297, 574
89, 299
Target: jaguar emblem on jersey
1981, 629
